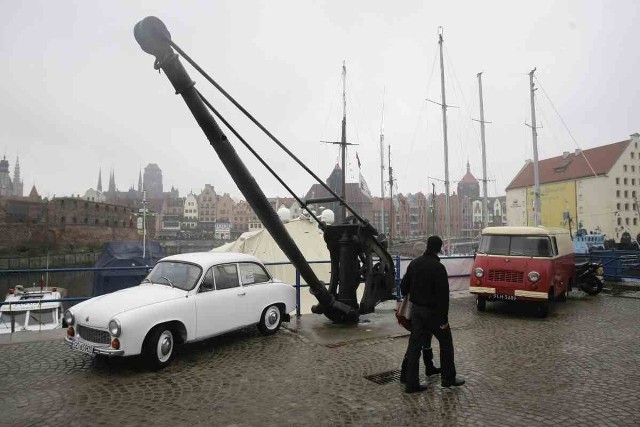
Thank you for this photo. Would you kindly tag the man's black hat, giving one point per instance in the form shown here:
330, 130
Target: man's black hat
434, 244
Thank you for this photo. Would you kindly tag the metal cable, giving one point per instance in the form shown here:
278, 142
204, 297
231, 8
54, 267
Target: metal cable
565, 126
262, 128
257, 156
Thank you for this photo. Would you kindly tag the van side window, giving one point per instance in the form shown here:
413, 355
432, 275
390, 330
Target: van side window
555, 245
251, 273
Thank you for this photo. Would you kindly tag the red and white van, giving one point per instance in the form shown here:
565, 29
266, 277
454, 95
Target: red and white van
534, 264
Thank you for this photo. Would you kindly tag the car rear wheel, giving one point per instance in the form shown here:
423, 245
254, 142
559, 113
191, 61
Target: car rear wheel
158, 347
270, 320
481, 303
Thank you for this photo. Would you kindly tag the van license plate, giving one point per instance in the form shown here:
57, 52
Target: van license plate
501, 297
80, 346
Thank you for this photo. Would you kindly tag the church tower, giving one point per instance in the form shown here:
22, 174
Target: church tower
99, 187
18, 185
112, 182
6, 186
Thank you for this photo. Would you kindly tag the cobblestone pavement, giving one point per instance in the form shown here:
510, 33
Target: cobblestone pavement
580, 366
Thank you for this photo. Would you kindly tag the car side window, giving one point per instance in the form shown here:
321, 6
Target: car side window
226, 276
252, 273
208, 283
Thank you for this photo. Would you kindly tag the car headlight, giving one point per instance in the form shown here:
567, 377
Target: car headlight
599, 271
68, 318
478, 272
114, 327
534, 276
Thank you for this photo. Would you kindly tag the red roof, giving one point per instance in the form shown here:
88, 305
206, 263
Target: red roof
573, 166
468, 178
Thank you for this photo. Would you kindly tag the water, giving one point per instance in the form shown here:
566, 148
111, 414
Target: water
77, 284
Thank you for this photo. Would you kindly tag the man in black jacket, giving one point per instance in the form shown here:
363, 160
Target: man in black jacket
427, 284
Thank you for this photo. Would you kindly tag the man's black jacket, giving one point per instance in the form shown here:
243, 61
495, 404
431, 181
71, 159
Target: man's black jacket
426, 281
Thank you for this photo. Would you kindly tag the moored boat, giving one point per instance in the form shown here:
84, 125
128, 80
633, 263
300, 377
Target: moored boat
31, 309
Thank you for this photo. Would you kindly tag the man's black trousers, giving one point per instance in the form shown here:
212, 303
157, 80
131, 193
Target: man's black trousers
423, 321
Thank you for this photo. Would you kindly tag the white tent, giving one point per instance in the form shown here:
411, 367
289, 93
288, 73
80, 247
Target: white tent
307, 236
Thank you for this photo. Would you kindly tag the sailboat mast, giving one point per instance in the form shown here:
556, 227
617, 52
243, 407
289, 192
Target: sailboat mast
536, 172
391, 209
343, 139
382, 169
485, 202
447, 206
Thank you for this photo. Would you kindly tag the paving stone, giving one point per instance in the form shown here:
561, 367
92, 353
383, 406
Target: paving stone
579, 366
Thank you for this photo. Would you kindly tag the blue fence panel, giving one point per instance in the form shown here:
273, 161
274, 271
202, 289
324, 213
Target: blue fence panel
618, 264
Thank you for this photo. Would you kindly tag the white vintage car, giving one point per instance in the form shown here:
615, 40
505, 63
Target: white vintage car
185, 298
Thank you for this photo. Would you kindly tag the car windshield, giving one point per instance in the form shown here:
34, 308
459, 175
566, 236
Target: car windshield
42, 317
535, 246
5, 319
175, 274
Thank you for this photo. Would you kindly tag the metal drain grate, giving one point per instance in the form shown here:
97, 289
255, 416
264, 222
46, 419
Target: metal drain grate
385, 377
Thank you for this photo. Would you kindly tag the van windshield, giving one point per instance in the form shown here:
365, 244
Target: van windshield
538, 246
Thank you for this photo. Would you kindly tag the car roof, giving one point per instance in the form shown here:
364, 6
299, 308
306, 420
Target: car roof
207, 259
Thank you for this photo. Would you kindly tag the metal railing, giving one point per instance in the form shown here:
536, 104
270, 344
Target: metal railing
298, 281
618, 264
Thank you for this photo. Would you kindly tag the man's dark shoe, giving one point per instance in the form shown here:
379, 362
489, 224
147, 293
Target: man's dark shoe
454, 382
415, 389
432, 370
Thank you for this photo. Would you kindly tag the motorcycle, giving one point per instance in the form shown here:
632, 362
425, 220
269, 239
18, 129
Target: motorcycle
588, 277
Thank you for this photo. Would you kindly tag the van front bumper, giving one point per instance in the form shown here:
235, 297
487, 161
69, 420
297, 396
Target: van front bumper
481, 290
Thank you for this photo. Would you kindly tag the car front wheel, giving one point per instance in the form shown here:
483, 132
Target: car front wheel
159, 346
270, 320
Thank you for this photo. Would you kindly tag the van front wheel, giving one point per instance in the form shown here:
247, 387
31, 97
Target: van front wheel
542, 309
481, 303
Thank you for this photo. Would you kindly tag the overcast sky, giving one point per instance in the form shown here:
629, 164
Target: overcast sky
78, 93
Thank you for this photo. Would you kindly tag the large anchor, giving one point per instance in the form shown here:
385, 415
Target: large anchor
352, 244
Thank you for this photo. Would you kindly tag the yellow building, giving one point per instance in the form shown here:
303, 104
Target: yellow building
598, 187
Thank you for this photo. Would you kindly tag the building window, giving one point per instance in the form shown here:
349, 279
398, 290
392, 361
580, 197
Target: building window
617, 193
619, 221
62, 220
633, 194
626, 221
633, 168
624, 168
626, 194
618, 206
626, 181
632, 154
635, 221
617, 181
626, 206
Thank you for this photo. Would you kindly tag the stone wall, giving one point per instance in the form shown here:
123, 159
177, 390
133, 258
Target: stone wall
13, 236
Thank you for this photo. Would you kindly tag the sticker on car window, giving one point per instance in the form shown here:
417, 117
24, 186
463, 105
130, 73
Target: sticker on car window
247, 276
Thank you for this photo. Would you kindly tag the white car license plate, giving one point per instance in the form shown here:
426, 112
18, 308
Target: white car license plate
80, 346
501, 297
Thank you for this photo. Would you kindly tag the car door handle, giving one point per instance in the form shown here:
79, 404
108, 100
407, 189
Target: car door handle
241, 294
